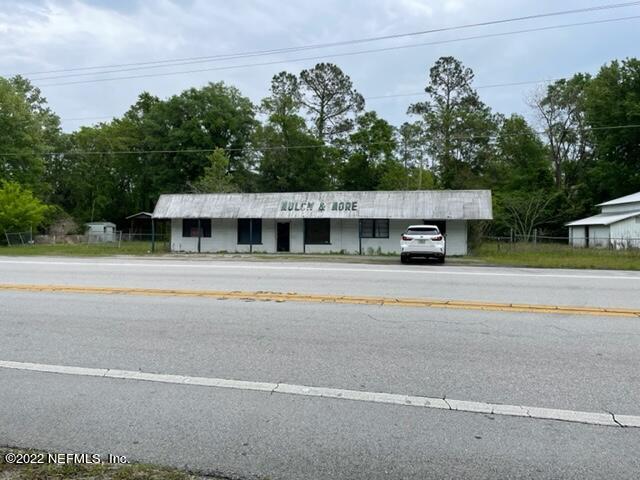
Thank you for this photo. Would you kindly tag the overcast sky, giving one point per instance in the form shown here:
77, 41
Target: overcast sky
38, 36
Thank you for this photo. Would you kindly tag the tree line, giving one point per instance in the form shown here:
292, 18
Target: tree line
313, 132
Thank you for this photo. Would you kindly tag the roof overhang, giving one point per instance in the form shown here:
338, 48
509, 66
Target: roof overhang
603, 219
417, 204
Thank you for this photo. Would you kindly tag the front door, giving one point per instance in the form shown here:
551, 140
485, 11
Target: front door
282, 243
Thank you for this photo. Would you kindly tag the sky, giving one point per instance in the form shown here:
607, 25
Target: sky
50, 35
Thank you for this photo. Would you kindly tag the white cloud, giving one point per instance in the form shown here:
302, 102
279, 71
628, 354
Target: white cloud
55, 34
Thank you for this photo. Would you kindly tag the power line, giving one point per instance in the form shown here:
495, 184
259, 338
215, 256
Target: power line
376, 97
254, 53
345, 54
285, 147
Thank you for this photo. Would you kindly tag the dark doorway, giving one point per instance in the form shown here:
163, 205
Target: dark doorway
586, 236
441, 224
282, 242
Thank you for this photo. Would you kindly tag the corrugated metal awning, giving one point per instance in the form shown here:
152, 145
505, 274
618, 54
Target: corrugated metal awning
602, 219
419, 204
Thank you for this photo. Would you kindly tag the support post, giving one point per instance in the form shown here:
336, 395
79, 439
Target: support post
153, 235
251, 235
360, 236
199, 234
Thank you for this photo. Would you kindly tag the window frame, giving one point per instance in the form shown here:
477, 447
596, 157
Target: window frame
374, 227
251, 231
205, 227
327, 221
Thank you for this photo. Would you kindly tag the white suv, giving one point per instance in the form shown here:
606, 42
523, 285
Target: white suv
422, 241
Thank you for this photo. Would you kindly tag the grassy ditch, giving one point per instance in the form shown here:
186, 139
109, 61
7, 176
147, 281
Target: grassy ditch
556, 256
83, 249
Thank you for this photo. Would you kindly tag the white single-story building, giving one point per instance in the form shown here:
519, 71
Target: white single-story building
616, 226
317, 222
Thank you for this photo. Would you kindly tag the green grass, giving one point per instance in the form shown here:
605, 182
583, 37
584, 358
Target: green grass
101, 471
83, 249
557, 256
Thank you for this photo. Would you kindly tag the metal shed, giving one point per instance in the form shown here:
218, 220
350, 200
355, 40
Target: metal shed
616, 226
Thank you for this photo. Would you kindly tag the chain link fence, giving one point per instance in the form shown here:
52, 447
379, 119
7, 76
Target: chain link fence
13, 239
542, 242
116, 239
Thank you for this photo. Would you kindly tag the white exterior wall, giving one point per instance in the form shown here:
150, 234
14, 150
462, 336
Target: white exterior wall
343, 237
626, 233
456, 237
598, 235
577, 236
623, 207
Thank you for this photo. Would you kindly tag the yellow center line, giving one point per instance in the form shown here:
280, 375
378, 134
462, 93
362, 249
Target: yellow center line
327, 298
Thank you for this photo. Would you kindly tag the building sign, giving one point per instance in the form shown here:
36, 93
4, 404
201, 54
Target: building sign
319, 207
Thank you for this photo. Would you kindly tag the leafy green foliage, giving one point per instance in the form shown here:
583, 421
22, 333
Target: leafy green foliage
291, 158
22, 132
19, 210
458, 125
312, 133
216, 177
613, 98
330, 99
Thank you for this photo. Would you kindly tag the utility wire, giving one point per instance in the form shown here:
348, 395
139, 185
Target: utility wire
344, 54
256, 53
286, 147
376, 97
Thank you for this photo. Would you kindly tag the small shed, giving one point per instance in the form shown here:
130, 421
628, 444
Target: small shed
616, 226
100, 231
140, 223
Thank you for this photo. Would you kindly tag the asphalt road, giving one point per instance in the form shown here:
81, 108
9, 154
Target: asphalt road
573, 362
520, 285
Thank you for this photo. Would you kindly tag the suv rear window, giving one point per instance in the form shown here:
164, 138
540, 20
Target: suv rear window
423, 231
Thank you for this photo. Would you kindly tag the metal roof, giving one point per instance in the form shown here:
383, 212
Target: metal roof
140, 215
416, 204
634, 197
603, 219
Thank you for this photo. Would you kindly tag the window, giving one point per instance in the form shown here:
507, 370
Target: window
374, 228
190, 227
423, 231
317, 231
248, 228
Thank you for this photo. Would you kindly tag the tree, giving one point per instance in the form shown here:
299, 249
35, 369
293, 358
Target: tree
19, 209
21, 137
521, 160
330, 99
525, 211
216, 177
369, 154
612, 108
413, 151
458, 124
561, 111
289, 157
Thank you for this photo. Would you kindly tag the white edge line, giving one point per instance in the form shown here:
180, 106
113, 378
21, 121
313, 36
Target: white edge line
589, 418
233, 266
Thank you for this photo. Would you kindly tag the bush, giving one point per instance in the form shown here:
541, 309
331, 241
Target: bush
19, 209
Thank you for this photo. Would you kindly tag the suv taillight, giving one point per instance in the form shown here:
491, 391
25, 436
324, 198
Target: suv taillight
437, 239
406, 238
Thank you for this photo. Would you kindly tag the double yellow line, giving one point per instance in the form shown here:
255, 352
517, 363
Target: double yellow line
318, 298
